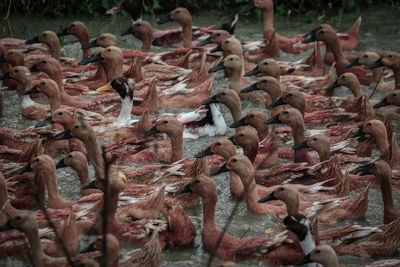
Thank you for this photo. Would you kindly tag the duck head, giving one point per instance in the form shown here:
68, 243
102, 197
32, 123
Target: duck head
380, 168
62, 116
22, 75
292, 97
318, 142
388, 59
349, 80
322, 254
168, 125
227, 97
104, 40
143, 31
253, 118
50, 39
290, 116
47, 87
323, 32
14, 57
232, 46
268, 67
75, 159
77, 28
180, 15
242, 166
204, 186
223, 147
80, 130
374, 128
47, 65
232, 62
42, 164
286, 193
391, 99
217, 37
268, 84
365, 58
120, 85
24, 221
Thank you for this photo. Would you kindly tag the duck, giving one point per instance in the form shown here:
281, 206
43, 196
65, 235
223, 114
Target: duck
255, 119
80, 31
6, 67
390, 60
230, 99
50, 39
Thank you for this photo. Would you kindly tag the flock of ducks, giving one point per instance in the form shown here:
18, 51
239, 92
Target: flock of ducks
91, 102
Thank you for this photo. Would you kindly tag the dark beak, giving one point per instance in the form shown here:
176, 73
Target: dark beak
354, 63
91, 59
5, 76
365, 172
332, 86
267, 198
210, 100
204, 153
88, 249
273, 120
216, 49
34, 40
220, 170
277, 102
220, 66
250, 88
164, 19
34, 68
91, 185
301, 145
205, 42
7, 227
310, 33
128, 31
310, 38
61, 164
383, 103
90, 45
63, 33
27, 168
254, 71
32, 91
358, 133
232, 139
2, 59
66, 135
248, 7
374, 65
305, 260
48, 120
152, 131
241, 122
185, 189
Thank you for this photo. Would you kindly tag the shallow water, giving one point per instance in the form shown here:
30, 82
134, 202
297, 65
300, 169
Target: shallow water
379, 31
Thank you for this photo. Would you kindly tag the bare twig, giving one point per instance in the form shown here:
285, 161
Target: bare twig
376, 86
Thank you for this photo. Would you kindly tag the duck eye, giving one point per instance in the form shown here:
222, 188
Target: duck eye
289, 95
218, 34
281, 189
394, 94
45, 34
18, 217
218, 144
198, 181
241, 135
72, 25
390, 56
265, 63
286, 112
37, 160
139, 24
252, 115
227, 42
59, 113
11, 53
43, 83
322, 32
165, 122
234, 160
315, 139
44, 62
231, 59
109, 50
223, 93
76, 127
102, 38
177, 11
343, 77
317, 251
369, 124
16, 70
69, 156
365, 55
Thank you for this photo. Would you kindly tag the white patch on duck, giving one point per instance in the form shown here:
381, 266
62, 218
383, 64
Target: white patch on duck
254, 45
308, 244
360, 231
125, 114
27, 101
179, 88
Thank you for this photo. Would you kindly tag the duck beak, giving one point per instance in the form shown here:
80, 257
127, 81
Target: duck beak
365, 172
254, 71
355, 62
61, 164
91, 59
7, 227
277, 102
301, 145
152, 131
205, 42
250, 88
232, 139
332, 86
63, 33
305, 260
220, 66
90, 45
128, 31
33, 90
204, 153
250, 6
310, 37
185, 189
66, 135
374, 65
91, 185
273, 120
268, 198
27, 168
210, 100
34, 68
2, 59
310, 33
216, 49
34, 40
220, 170
48, 120
382, 103
358, 133
165, 19
241, 122
88, 249
5, 76
105, 88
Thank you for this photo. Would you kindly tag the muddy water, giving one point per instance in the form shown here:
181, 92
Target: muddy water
378, 32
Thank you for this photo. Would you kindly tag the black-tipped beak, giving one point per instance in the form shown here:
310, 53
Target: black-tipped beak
250, 88
205, 42
374, 65
216, 49
91, 59
88, 249
34, 68
220, 66
165, 19
63, 33
232, 139
382, 103
66, 135
2, 59
48, 120
128, 31
310, 38
254, 71
310, 33
185, 189
301, 145
204, 153
241, 122
152, 131
5, 76
334, 85
34, 40
220, 170
355, 62
269, 197
365, 172
27, 168
61, 164
360, 132
305, 260
7, 227
210, 100
90, 45
33, 90
91, 185
273, 120
250, 6
277, 102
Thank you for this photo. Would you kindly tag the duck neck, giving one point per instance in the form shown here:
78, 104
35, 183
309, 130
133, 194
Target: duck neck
250, 192
187, 34
262, 129
126, 109
236, 110
377, 75
235, 80
37, 253
386, 189
95, 157
383, 146
268, 19
293, 206
55, 102
251, 150
83, 37
177, 146
324, 154
112, 203
83, 173
57, 77
209, 204
55, 50
337, 51
275, 92
52, 187
298, 133
147, 41
114, 71
355, 88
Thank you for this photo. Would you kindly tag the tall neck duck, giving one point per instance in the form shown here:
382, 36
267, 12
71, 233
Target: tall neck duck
327, 34
50, 39
50, 89
255, 119
230, 99
144, 32
392, 61
80, 31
